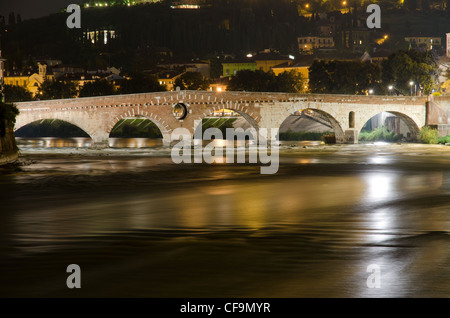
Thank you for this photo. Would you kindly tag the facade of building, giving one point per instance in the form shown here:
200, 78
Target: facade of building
168, 78
30, 82
232, 67
355, 39
429, 42
307, 44
266, 61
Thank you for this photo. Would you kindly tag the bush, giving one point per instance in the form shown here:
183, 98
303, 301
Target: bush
444, 140
428, 135
379, 134
329, 139
8, 113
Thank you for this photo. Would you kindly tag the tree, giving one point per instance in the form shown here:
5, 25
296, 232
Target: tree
141, 83
260, 81
319, 78
52, 89
8, 114
97, 88
405, 66
192, 81
343, 77
16, 94
252, 81
288, 82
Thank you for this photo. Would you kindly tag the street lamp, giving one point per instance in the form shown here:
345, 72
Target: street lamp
370, 91
411, 85
390, 87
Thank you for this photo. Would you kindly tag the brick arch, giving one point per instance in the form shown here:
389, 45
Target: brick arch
337, 128
247, 114
163, 127
413, 126
24, 122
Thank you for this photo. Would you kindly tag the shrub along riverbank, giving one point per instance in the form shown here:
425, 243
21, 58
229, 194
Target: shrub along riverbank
8, 147
379, 134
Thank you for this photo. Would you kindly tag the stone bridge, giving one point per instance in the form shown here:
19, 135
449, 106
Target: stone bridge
346, 113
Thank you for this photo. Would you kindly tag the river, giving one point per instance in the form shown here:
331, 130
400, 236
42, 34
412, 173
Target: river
139, 225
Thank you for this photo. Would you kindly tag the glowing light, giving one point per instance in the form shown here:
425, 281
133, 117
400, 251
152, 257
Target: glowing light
385, 37
292, 57
307, 6
249, 55
219, 89
344, 3
380, 186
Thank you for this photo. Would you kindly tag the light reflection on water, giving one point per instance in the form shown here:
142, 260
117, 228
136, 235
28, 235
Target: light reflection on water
309, 231
79, 142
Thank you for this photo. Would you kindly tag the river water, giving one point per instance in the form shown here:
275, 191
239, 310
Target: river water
139, 225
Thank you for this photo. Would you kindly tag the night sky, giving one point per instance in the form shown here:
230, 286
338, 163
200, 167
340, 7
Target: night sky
29, 9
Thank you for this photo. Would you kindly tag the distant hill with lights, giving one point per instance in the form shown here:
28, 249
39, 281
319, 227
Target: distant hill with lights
138, 34
110, 3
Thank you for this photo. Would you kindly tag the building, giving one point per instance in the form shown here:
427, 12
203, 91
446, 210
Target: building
102, 36
30, 82
307, 44
232, 67
355, 40
428, 42
265, 61
81, 78
61, 70
219, 85
194, 66
168, 78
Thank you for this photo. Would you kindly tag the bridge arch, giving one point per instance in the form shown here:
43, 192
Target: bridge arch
247, 115
325, 117
163, 127
21, 123
413, 125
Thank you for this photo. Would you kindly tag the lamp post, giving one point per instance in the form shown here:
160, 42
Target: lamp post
411, 85
390, 87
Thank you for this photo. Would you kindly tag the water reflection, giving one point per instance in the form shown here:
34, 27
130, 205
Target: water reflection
309, 231
53, 142
135, 142
379, 186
